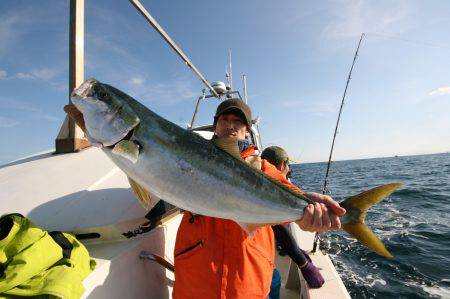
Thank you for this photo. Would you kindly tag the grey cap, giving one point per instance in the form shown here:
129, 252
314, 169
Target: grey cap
275, 155
235, 106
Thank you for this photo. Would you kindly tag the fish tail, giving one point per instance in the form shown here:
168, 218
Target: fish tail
357, 207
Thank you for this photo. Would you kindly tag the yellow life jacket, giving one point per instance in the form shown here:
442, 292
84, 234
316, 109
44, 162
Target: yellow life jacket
34, 262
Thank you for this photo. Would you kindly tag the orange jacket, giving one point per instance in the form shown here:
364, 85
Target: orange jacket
215, 258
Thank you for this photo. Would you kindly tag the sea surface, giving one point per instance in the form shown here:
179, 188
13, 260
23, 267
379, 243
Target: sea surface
413, 223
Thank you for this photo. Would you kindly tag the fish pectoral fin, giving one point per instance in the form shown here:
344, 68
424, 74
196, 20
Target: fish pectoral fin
251, 228
142, 194
127, 149
229, 145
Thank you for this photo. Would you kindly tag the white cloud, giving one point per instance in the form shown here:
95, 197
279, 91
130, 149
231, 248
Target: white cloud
49, 117
28, 107
7, 104
440, 91
17, 20
44, 73
318, 107
13, 24
8, 32
6, 122
137, 81
24, 76
142, 87
36, 74
351, 18
101, 44
169, 92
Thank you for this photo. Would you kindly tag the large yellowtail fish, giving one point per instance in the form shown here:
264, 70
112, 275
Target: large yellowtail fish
196, 174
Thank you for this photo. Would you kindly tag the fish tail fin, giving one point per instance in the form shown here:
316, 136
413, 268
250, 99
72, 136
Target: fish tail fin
357, 207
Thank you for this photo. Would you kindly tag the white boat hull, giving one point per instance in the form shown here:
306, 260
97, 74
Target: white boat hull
86, 193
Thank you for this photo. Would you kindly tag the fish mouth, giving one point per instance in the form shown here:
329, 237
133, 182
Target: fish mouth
83, 91
106, 124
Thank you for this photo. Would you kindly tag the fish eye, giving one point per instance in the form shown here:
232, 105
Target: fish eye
102, 95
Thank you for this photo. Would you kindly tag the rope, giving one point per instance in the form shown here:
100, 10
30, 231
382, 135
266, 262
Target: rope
417, 42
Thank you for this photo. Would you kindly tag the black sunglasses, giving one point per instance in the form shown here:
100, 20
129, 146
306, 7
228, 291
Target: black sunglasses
289, 174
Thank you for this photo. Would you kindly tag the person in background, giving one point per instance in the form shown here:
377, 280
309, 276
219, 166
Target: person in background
283, 237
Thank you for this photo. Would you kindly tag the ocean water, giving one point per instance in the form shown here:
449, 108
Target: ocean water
413, 223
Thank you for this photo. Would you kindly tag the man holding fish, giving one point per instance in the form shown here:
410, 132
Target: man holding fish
215, 257
225, 245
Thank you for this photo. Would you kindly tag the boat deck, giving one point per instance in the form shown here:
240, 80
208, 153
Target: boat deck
283, 263
73, 192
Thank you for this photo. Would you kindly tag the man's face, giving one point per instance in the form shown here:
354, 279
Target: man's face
284, 167
229, 124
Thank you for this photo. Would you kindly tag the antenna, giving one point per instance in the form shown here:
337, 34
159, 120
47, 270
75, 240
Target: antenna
244, 79
230, 70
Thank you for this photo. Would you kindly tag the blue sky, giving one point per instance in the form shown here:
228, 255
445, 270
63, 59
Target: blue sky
296, 55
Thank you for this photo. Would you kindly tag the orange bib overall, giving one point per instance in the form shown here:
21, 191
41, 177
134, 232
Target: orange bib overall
215, 258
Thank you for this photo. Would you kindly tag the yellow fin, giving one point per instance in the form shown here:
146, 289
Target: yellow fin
142, 194
364, 235
251, 228
127, 149
357, 207
365, 200
229, 145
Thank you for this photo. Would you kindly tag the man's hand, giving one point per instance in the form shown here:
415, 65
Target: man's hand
76, 115
322, 216
254, 161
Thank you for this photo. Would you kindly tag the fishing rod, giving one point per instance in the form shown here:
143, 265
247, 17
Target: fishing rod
172, 44
325, 182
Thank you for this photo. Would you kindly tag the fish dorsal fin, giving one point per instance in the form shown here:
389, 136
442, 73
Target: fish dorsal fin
228, 144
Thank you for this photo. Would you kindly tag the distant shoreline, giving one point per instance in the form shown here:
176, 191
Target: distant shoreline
50, 151
386, 157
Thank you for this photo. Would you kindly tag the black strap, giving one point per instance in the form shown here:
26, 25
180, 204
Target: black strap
62, 241
193, 216
159, 210
154, 217
6, 225
3, 267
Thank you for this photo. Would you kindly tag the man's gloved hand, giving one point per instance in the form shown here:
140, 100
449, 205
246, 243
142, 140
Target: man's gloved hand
312, 275
75, 115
